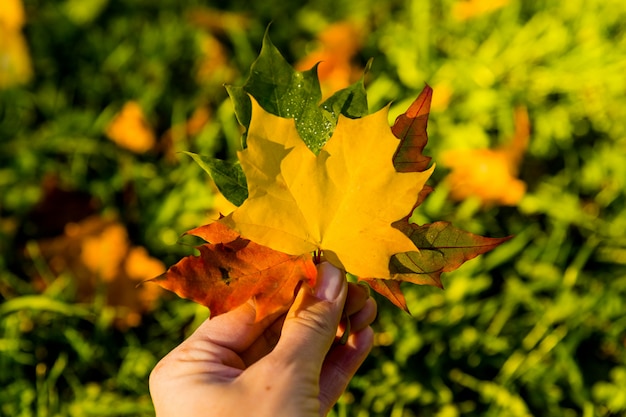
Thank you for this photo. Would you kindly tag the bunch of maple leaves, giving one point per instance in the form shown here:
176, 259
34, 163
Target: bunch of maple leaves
317, 181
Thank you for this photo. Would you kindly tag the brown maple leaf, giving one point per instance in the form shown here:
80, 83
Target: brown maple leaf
441, 247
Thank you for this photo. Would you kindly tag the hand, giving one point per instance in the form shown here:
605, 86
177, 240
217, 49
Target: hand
286, 365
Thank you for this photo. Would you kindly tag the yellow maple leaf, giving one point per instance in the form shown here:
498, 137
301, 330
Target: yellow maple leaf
341, 201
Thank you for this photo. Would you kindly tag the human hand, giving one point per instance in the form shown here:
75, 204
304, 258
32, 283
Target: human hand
285, 365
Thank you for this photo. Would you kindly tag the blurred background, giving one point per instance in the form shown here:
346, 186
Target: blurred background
99, 97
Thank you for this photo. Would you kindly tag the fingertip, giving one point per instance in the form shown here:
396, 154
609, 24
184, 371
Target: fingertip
363, 317
357, 297
330, 282
364, 340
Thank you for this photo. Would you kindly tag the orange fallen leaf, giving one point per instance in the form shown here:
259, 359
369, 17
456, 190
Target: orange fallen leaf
215, 65
490, 174
130, 129
98, 254
103, 253
217, 21
339, 43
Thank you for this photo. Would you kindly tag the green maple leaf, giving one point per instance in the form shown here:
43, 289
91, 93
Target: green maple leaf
284, 92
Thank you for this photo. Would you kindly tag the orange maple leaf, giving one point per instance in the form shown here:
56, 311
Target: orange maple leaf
231, 270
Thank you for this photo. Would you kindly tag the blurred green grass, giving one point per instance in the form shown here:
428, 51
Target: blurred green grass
537, 327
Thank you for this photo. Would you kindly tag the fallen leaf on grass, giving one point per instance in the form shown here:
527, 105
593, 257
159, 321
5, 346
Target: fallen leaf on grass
12, 16
215, 65
98, 254
490, 174
15, 63
130, 129
468, 9
338, 44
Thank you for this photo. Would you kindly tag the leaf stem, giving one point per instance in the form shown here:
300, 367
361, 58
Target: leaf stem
346, 333
317, 256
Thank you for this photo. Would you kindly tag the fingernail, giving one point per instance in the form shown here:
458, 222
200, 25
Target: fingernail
329, 282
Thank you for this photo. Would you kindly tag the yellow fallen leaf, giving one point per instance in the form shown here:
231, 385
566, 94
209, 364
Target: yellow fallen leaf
468, 9
12, 15
15, 63
140, 266
341, 201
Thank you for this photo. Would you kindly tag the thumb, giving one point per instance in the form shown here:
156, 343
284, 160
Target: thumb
311, 323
